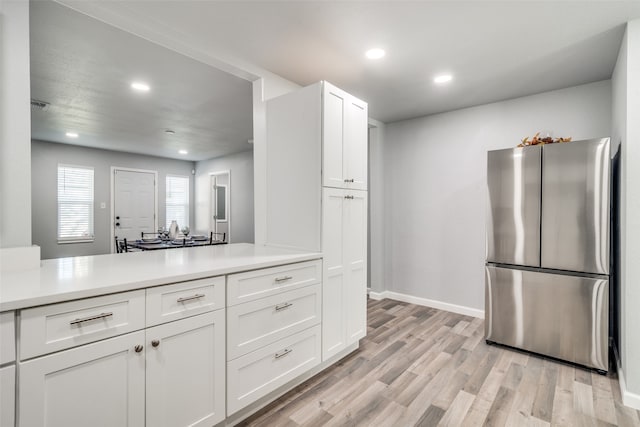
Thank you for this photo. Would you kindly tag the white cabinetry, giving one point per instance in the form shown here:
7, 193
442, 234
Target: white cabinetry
8, 372
98, 384
274, 336
186, 372
317, 199
7, 395
344, 144
345, 255
171, 374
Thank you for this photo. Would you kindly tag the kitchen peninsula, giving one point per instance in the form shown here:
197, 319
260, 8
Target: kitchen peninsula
198, 336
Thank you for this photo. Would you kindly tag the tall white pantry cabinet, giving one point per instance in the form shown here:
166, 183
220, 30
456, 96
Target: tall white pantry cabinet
317, 198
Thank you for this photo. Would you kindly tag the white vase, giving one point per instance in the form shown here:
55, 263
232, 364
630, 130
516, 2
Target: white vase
173, 230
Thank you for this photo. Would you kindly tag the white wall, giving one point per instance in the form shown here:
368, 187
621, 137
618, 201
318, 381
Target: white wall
15, 125
435, 171
241, 201
264, 89
45, 158
626, 130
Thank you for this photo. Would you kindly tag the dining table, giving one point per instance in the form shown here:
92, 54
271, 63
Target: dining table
157, 244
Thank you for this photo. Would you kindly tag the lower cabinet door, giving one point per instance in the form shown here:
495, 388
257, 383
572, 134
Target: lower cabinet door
355, 263
334, 312
186, 372
7, 396
99, 384
260, 372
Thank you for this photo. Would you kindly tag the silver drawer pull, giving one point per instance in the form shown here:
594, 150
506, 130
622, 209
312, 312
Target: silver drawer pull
283, 279
349, 180
196, 296
283, 306
90, 318
283, 353
348, 197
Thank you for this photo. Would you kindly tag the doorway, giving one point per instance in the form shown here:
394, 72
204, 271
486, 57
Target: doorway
134, 196
220, 209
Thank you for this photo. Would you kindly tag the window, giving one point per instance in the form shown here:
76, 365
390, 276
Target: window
177, 200
75, 204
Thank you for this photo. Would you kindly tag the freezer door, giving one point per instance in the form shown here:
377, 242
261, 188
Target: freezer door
575, 206
513, 217
560, 316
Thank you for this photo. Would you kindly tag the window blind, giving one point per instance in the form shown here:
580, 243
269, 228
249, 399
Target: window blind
75, 203
177, 202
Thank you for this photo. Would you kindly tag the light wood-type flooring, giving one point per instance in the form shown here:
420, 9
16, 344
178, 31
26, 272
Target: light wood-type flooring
426, 367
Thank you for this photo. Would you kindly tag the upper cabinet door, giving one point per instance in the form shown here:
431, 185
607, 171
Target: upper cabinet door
344, 140
575, 206
355, 145
335, 103
513, 214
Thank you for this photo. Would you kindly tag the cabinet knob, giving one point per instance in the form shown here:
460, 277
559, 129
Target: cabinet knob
138, 348
155, 343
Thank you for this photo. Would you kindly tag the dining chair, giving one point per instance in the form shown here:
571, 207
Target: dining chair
211, 234
121, 245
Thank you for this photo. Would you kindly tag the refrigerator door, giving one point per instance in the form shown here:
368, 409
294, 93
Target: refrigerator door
513, 217
575, 206
556, 315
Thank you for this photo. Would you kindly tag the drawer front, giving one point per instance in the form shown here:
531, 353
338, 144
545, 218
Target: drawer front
257, 323
256, 374
257, 284
59, 326
7, 337
174, 302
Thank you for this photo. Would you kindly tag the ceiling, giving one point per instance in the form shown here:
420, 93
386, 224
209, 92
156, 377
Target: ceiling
495, 50
84, 69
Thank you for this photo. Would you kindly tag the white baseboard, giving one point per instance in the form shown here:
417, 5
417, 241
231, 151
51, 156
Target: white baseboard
460, 309
629, 399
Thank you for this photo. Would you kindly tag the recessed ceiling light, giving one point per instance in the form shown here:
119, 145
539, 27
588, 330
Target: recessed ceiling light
183, 152
375, 53
72, 134
443, 78
169, 132
139, 86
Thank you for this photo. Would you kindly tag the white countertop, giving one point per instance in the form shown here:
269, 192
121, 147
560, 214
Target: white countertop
65, 279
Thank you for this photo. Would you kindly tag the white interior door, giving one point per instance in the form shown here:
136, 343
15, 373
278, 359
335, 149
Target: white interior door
220, 201
134, 203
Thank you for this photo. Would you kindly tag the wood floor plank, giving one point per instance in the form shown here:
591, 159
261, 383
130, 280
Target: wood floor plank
543, 404
499, 412
423, 366
458, 409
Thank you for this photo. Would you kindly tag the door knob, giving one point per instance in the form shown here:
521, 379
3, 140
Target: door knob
117, 217
138, 348
117, 224
155, 343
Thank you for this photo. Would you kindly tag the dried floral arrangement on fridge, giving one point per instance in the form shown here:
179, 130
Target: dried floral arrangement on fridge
536, 140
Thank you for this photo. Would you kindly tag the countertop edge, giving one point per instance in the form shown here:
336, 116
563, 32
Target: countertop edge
59, 297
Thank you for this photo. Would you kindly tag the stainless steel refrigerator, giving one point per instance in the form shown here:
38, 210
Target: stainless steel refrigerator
548, 250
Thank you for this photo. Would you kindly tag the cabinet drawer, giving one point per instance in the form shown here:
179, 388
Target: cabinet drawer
257, 323
252, 285
59, 326
7, 337
174, 302
256, 374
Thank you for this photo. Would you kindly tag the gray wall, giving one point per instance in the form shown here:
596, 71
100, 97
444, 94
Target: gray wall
376, 241
626, 130
45, 157
435, 173
241, 205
